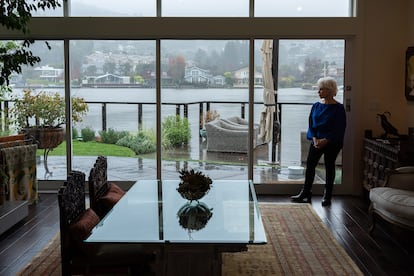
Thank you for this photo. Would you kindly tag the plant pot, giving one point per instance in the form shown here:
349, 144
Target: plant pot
47, 138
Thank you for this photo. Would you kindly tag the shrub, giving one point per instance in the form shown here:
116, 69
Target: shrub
111, 136
176, 130
88, 134
140, 143
75, 133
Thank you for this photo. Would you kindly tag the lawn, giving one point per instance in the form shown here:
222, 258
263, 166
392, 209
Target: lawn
92, 149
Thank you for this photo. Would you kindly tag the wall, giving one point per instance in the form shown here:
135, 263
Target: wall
385, 43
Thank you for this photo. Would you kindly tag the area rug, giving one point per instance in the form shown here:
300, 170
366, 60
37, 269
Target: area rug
298, 244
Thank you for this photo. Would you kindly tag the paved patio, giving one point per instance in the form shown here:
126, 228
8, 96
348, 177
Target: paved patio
216, 165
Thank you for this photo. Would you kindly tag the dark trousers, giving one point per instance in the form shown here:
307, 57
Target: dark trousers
329, 152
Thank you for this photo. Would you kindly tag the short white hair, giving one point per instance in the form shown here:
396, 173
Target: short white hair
328, 83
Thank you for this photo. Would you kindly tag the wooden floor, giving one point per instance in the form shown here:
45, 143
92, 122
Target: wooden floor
389, 252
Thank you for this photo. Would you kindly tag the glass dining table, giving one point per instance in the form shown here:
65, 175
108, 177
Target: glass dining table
187, 237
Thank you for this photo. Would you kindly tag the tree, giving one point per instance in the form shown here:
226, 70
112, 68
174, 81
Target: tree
91, 70
312, 71
16, 15
109, 67
201, 58
126, 68
229, 78
176, 69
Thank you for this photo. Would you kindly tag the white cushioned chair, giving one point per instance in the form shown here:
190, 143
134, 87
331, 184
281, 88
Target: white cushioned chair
228, 136
394, 202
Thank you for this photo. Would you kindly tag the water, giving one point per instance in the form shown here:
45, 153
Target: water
296, 103
124, 116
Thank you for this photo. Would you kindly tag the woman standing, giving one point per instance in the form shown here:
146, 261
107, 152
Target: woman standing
327, 122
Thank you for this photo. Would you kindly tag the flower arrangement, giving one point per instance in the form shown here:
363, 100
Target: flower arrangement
194, 184
45, 110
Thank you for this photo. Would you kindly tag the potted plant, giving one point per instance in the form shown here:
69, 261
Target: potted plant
42, 115
194, 184
209, 116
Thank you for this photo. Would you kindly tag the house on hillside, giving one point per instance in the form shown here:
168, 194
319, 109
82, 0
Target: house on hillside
196, 75
241, 78
49, 73
107, 78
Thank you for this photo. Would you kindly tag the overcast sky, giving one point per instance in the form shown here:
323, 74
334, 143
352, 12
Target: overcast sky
271, 8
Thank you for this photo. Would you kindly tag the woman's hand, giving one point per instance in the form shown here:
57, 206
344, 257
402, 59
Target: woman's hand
320, 143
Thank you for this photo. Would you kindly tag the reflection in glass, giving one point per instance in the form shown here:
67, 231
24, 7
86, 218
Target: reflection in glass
194, 216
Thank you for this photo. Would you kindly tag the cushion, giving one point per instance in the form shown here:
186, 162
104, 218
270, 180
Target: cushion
82, 228
396, 201
110, 199
115, 189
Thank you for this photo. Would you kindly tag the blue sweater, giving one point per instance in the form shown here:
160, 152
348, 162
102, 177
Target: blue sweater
327, 121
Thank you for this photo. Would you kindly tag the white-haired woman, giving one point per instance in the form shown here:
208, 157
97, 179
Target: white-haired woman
327, 123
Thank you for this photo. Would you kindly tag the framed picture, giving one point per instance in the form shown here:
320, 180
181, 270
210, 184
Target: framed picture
409, 74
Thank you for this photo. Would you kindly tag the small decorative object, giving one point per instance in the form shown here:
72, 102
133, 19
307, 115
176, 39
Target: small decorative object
194, 184
387, 126
194, 216
209, 116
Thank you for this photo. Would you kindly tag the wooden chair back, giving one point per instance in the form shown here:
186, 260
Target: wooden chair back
98, 183
71, 198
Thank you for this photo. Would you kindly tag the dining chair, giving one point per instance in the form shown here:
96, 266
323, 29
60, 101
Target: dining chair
76, 224
102, 194
73, 217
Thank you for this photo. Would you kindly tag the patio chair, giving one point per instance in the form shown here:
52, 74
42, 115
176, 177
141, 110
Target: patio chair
226, 137
240, 122
102, 195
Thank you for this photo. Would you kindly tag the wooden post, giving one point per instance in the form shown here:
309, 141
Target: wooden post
140, 116
104, 116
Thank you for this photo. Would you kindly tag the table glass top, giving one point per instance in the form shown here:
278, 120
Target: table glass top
154, 212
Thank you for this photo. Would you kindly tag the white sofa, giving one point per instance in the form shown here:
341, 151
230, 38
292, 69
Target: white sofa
224, 135
394, 202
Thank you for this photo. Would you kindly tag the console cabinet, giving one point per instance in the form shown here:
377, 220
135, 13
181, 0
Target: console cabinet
381, 156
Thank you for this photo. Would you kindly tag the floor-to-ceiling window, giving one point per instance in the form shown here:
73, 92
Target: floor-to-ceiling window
200, 73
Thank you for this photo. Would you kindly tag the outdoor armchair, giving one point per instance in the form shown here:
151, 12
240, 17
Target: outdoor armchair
226, 137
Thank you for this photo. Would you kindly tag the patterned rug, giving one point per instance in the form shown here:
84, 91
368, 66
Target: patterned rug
298, 244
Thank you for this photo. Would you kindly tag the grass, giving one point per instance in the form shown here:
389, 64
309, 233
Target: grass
91, 149
94, 148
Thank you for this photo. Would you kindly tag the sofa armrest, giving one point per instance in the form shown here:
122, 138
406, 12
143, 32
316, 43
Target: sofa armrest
401, 178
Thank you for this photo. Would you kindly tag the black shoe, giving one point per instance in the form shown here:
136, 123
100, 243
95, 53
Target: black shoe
302, 197
327, 195
326, 202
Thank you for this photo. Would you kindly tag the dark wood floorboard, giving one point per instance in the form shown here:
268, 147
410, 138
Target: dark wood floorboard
389, 252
